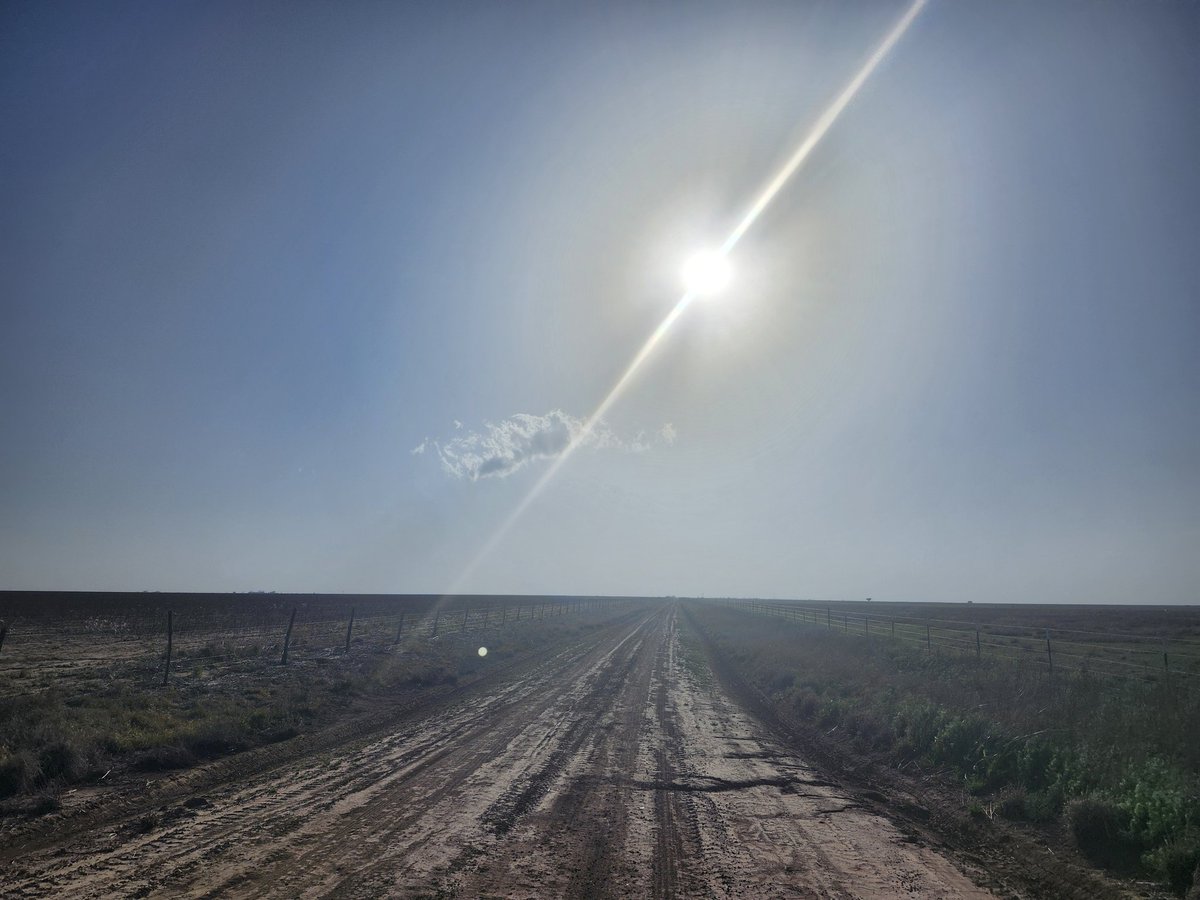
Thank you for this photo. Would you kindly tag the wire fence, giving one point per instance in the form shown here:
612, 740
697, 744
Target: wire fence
1101, 653
89, 652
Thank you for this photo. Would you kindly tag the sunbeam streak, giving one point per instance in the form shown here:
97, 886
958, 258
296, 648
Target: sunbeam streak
822, 125
552, 470
824, 122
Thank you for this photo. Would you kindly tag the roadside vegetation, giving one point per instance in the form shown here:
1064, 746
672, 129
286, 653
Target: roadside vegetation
1115, 763
55, 741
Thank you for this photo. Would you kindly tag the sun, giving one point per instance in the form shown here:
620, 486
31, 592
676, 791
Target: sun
706, 272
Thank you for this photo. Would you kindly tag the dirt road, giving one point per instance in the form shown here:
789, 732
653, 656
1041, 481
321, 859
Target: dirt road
615, 768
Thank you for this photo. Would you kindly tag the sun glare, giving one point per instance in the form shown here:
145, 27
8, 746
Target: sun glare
706, 273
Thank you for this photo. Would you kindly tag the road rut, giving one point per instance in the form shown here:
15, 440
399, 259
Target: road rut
617, 768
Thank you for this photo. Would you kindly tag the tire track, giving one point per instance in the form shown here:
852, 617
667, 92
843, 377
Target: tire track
612, 768
305, 815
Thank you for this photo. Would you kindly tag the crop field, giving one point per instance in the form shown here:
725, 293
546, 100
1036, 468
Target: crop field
601, 747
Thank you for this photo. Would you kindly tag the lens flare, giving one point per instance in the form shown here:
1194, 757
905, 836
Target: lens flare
703, 274
706, 273
821, 126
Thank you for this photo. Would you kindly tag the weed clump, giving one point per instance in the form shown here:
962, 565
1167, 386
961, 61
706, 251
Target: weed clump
19, 772
165, 758
1012, 804
1116, 762
1177, 863
1101, 830
61, 759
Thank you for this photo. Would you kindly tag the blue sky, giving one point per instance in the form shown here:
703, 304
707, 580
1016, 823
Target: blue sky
252, 256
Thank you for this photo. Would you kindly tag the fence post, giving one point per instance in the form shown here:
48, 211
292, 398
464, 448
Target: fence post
504, 614
170, 636
349, 629
437, 615
400, 628
3, 632
978, 650
928, 639
893, 627
1049, 652
466, 612
828, 618
287, 638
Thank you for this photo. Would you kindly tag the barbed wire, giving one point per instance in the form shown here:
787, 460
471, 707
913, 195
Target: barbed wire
973, 639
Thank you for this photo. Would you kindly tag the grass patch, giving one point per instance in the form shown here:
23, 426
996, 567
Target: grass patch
1116, 761
125, 722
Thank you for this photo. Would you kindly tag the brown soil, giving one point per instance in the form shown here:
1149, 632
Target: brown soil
613, 767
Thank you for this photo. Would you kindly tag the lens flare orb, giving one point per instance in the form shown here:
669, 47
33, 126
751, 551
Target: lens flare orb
483, 651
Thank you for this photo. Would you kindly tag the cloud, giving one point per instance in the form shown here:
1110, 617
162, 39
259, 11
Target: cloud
501, 448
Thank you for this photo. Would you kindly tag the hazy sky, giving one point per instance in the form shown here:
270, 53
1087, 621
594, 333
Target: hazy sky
253, 256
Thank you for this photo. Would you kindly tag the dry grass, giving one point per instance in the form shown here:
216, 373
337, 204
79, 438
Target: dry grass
120, 720
1018, 740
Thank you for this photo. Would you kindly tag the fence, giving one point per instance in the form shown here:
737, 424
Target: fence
1102, 653
86, 652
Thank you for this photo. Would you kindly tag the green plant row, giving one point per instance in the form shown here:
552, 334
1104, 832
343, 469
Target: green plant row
1117, 761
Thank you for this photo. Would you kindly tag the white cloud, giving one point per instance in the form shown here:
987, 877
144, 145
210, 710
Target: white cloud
500, 449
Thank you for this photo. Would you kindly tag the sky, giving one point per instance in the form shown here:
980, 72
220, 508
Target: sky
307, 297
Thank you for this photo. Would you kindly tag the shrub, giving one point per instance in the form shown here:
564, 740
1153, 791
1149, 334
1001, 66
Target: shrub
161, 759
1035, 765
1024, 743
959, 742
871, 732
1044, 806
805, 703
61, 759
919, 722
218, 739
1157, 797
997, 765
780, 682
45, 801
1101, 830
18, 773
1012, 804
1177, 861
830, 712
